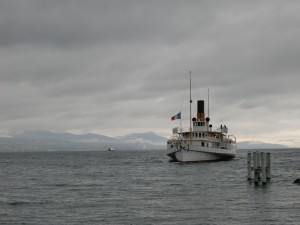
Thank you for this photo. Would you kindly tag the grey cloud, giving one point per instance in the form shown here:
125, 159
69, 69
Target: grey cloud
83, 65
72, 23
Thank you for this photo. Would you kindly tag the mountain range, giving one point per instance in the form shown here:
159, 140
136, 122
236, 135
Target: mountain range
51, 140
258, 145
136, 141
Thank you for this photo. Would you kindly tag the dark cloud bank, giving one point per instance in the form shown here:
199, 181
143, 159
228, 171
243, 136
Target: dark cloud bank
117, 67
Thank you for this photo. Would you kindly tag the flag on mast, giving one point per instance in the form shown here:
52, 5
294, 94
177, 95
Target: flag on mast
177, 116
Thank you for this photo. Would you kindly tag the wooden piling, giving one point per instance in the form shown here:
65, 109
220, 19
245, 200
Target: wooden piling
249, 165
268, 165
263, 168
255, 167
258, 165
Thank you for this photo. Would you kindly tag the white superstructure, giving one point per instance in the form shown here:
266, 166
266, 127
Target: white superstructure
203, 143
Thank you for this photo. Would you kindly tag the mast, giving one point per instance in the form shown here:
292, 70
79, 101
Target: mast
190, 107
208, 104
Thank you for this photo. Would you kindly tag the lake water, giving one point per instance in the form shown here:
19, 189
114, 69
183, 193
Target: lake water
143, 187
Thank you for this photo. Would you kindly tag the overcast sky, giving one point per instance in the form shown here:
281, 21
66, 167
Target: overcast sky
118, 67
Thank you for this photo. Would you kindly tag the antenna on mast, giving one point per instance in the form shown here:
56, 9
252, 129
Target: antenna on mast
190, 107
208, 102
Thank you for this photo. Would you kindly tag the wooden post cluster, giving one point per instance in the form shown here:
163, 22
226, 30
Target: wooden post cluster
261, 167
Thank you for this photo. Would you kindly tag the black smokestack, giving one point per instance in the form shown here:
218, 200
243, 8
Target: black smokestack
200, 110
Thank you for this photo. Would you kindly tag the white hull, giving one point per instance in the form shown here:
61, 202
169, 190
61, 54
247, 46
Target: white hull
202, 154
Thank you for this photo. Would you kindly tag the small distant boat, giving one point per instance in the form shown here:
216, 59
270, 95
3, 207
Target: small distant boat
201, 143
110, 149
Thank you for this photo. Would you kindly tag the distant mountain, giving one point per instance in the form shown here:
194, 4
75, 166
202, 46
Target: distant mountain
48, 135
258, 145
135, 141
40, 140
148, 137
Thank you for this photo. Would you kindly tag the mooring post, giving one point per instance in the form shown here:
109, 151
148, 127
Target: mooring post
255, 168
263, 168
268, 165
249, 165
258, 165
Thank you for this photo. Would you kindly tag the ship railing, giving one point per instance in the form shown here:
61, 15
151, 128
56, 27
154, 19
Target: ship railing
180, 130
220, 130
177, 130
233, 138
172, 139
